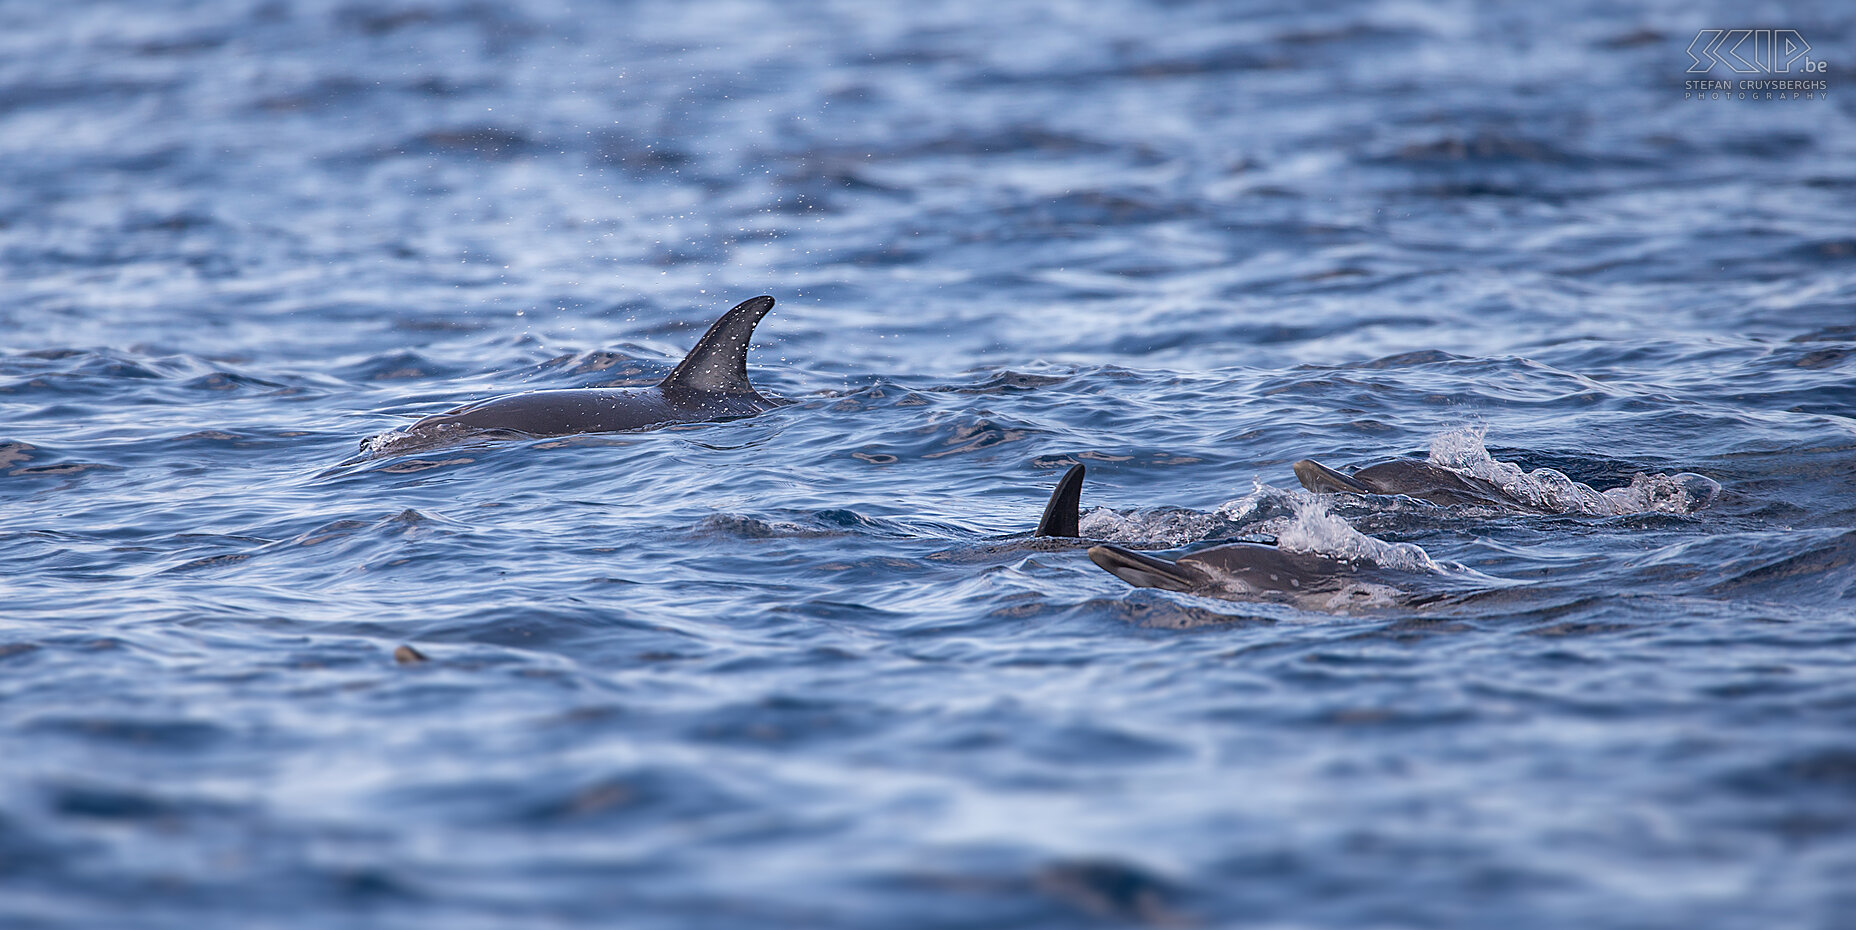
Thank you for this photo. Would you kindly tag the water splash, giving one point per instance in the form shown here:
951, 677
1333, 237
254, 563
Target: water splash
1264, 502
1311, 528
1461, 450
1158, 527
1299, 521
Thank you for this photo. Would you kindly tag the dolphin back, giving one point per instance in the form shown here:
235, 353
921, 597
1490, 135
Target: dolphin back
1321, 479
719, 363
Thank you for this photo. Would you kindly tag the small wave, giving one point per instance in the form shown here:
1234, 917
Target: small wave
1547, 489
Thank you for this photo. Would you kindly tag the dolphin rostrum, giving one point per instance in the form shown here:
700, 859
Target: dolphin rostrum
711, 383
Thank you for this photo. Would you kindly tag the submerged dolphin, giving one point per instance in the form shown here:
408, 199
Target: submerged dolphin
711, 383
1411, 478
1247, 569
1541, 491
1241, 570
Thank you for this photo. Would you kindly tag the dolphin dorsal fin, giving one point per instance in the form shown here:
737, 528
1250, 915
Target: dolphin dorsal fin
719, 363
1321, 479
1062, 514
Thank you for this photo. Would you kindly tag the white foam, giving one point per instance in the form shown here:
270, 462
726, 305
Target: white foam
1312, 529
381, 444
1262, 503
1462, 451
1300, 521
1172, 527
1167, 528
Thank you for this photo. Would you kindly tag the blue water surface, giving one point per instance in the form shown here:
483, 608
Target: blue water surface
805, 669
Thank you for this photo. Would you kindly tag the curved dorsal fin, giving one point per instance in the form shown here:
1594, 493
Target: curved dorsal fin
1321, 479
719, 363
1062, 514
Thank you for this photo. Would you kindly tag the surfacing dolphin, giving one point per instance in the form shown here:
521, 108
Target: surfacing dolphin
1252, 571
1543, 490
1411, 478
711, 383
1248, 570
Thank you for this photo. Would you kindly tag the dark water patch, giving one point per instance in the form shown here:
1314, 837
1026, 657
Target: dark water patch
613, 369
1824, 571
228, 381
485, 142
24, 461
945, 435
819, 524
1485, 149
152, 735
643, 156
1153, 611
383, 22
1114, 891
27, 95
785, 721
13, 651
104, 803
1828, 334
1014, 140
1830, 771
1000, 887
638, 798
397, 366
1006, 382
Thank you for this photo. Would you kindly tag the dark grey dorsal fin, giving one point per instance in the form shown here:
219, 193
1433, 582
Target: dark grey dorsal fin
1062, 514
719, 363
1321, 479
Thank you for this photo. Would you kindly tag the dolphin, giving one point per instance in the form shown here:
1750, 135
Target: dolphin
1684, 492
711, 383
1411, 478
1248, 570
1243, 570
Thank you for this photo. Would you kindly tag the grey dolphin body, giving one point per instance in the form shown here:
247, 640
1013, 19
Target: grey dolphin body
711, 383
1248, 569
1411, 478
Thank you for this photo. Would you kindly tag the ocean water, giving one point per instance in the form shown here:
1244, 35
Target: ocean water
807, 669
